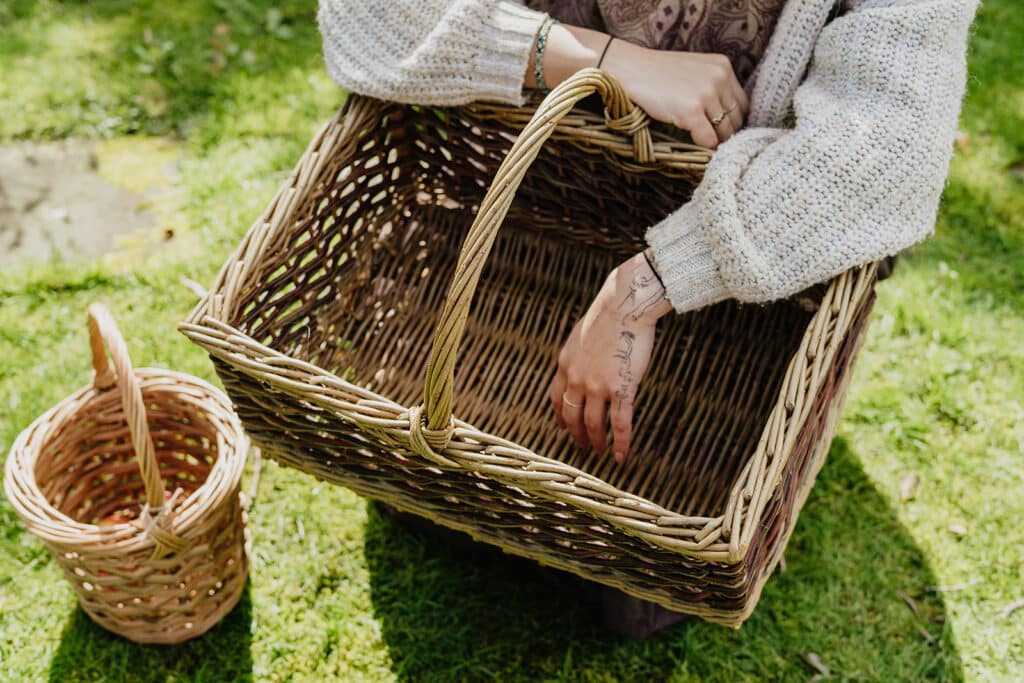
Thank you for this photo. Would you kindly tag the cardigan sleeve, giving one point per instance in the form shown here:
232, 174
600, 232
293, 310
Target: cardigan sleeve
858, 177
429, 51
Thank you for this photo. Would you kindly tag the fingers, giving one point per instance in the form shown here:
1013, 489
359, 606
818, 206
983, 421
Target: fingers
730, 124
736, 119
555, 395
594, 418
739, 97
739, 104
702, 132
622, 427
574, 401
724, 104
725, 126
730, 87
584, 416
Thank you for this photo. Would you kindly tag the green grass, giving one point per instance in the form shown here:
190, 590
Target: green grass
338, 592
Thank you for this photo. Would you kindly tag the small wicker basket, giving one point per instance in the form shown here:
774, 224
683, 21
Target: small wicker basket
133, 483
343, 332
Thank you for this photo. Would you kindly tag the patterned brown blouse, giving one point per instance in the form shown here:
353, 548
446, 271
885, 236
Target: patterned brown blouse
739, 29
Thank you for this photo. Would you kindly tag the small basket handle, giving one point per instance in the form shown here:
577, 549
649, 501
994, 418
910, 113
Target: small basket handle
103, 331
622, 116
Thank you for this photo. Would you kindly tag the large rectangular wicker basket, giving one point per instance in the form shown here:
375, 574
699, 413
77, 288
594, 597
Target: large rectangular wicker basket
343, 332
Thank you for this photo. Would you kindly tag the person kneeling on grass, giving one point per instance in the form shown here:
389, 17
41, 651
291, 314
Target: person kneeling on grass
833, 125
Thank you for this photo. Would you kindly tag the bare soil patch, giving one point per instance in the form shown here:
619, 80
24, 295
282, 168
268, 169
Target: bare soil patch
54, 203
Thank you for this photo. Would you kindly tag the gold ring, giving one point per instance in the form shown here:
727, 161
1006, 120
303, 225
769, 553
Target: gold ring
721, 117
566, 401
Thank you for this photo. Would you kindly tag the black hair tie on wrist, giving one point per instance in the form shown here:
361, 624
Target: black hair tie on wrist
605, 51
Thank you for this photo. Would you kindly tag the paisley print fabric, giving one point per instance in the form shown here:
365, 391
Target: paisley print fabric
739, 29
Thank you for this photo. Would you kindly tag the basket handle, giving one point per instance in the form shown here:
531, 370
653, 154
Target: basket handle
103, 331
622, 116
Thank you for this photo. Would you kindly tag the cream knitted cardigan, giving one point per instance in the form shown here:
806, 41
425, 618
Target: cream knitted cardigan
875, 96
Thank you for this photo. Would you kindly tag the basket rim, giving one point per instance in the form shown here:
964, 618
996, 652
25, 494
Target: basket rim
591, 133
55, 527
725, 537
580, 128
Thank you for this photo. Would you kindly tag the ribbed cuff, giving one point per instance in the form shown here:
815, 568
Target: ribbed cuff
683, 257
505, 47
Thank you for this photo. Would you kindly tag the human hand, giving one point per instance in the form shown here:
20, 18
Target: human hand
690, 90
601, 364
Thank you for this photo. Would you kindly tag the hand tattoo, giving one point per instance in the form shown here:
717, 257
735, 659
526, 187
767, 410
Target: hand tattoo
642, 297
639, 282
625, 354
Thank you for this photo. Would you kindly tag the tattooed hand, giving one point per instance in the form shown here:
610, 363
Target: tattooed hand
606, 356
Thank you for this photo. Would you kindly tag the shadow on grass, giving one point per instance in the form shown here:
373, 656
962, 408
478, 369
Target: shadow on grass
448, 611
88, 652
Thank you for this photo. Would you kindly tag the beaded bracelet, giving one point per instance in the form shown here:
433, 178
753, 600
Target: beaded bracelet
538, 63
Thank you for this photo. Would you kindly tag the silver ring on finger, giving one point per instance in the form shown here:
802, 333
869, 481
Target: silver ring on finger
568, 402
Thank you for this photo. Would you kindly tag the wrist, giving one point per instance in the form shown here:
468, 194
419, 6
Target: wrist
662, 306
620, 57
635, 293
569, 49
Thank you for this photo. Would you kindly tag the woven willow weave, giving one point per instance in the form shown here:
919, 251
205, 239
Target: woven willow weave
133, 483
343, 332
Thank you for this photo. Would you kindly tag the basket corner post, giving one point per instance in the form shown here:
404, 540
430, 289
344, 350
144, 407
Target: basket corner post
196, 314
736, 553
194, 330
